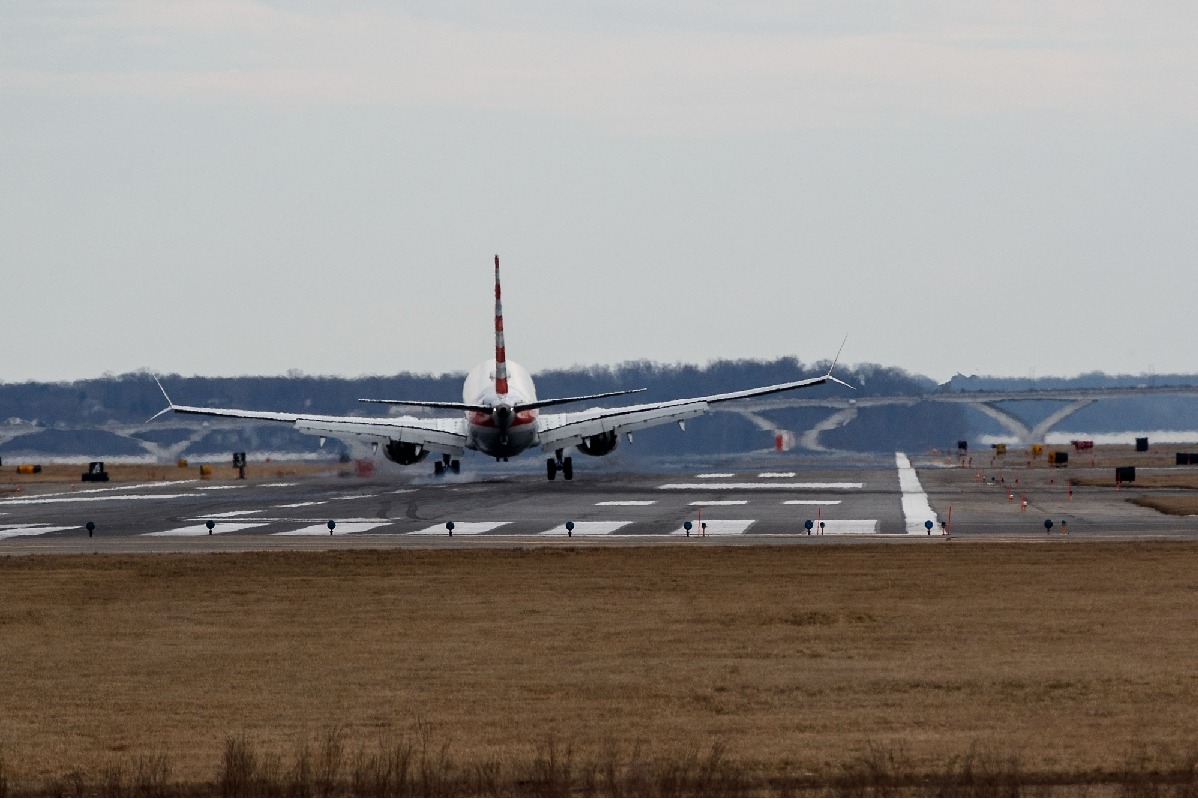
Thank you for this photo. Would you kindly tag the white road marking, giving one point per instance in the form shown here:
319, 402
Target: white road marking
230, 514
341, 528
460, 528
776, 474
750, 486
622, 502
353, 496
404, 491
719, 527
586, 528
278, 485
12, 532
218, 488
301, 504
812, 502
202, 529
107, 498
714, 475
712, 502
916, 508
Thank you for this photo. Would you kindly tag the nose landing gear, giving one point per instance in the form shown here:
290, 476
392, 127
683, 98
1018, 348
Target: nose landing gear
558, 463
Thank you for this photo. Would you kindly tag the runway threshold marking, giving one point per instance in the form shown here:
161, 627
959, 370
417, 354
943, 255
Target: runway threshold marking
719, 527
849, 527
341, 528
625, 502
916, 508
13, 532
751, 486
586, 528
460, 528
202, 529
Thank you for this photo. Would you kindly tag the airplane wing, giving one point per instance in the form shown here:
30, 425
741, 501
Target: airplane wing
444, 435
559, 430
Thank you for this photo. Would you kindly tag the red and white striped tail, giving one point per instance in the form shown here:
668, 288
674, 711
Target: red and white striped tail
500, 352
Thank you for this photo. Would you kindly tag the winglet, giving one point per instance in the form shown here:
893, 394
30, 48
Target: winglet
835, 361
170, 406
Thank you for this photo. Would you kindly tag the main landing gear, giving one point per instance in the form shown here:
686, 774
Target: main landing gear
444, 465
558, 463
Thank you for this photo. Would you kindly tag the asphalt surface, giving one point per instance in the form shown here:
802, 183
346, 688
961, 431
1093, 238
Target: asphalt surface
858, 498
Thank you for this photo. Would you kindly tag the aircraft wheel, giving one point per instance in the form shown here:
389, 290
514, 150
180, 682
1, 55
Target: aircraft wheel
438, 469
568, 468
455, 466
551, 468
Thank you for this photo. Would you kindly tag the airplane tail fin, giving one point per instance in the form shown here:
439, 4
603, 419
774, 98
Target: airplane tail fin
500, 350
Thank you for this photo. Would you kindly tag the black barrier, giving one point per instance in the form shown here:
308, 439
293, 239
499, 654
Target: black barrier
1125, 474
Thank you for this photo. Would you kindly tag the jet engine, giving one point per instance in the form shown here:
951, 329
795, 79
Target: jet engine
404, 453
600, 444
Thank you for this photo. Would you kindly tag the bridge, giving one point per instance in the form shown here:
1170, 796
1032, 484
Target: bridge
845, 409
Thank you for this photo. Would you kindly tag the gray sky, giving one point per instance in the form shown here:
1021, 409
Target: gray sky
238, 187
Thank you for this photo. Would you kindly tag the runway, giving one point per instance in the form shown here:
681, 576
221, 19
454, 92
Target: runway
849, 499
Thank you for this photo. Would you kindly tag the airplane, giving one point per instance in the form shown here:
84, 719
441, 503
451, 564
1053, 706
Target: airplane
501, 417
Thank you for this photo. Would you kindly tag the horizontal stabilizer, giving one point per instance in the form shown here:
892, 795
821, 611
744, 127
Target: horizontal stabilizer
547, 403
443, 406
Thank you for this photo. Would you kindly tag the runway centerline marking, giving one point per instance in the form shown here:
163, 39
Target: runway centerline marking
586, 528
625, 502
105, 498
751, 486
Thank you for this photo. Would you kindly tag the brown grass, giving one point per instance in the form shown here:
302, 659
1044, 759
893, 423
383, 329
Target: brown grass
1179, 479
825, 670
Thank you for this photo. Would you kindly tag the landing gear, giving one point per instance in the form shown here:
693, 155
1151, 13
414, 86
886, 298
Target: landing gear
556, 464
452, 466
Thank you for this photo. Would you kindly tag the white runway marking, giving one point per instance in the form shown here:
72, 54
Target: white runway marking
218, 488
354, 496
622, 502
404, 491
279, 485
776, 474
586, 528
751, 486
341, 528
719, 527
230, 514
812, 502
128, 487
916, 508
714, 475
202, 529
460, 528
106, 498
300, 504
13, 532
848, 527
713, 502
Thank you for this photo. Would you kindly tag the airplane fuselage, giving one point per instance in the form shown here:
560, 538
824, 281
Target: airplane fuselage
500, 433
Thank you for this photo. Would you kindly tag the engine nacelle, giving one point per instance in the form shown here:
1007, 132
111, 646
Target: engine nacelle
600, 444
404, 453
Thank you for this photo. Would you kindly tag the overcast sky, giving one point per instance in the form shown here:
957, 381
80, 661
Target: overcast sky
241, 187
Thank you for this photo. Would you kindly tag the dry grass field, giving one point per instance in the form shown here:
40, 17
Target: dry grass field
959, 668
